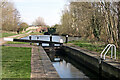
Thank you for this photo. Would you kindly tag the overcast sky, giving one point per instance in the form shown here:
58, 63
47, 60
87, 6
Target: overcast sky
50, 10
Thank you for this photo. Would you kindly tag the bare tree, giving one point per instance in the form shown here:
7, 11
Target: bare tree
0, 15
118, 26
39, 21
94, 20
10, 16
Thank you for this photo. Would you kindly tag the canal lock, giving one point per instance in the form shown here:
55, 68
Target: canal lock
72, 68
68, 67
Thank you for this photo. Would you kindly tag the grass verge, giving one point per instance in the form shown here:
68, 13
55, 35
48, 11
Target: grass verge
9, 42
16, 62
96, 47
7, 34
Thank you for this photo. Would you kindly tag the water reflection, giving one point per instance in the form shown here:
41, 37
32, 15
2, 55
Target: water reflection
64, 65
67, 70
64, 68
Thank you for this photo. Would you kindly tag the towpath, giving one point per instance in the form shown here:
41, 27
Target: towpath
19, 36
41, 66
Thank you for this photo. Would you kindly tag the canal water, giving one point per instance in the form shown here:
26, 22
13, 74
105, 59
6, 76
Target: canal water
70, 69
64, 65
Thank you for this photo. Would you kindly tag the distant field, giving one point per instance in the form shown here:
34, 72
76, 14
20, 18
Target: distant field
16, 62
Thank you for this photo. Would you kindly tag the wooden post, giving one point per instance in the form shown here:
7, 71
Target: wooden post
30, 39
40, 44
100, 68
66, 39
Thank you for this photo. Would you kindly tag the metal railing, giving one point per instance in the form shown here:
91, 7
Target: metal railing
107, 48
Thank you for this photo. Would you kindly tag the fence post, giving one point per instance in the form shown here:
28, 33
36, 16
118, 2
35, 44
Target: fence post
66, 39
30, 39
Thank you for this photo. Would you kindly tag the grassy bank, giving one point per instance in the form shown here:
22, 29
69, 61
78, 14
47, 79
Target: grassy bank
16, 62
9, 42
96, 46
6, 34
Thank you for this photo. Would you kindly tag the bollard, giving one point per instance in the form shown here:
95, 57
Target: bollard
50, 38
66, 39
37, 37
30, 39
50, 44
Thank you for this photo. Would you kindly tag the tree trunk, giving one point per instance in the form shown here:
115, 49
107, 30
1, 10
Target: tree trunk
118, 26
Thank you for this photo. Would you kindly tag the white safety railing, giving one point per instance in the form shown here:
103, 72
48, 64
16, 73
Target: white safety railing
107, 48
